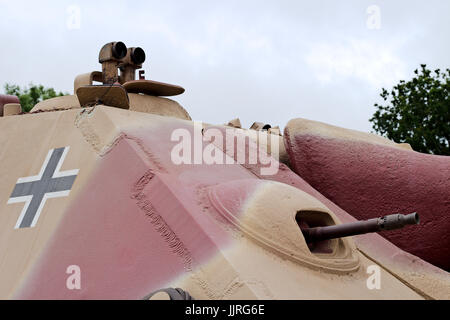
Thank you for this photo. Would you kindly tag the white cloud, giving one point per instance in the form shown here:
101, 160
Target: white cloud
260, 61
375, 63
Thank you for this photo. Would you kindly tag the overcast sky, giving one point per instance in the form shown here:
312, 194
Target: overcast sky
267, 61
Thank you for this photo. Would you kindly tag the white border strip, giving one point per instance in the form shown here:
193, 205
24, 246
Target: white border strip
48, 195
27, 200
57, 173
39, 176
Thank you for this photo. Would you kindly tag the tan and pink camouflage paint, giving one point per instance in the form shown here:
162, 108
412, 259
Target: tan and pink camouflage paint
134, 222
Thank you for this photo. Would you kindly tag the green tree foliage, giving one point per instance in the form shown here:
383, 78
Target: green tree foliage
417, 112
31, 95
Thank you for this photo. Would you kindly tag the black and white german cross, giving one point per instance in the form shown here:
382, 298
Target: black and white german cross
49, 183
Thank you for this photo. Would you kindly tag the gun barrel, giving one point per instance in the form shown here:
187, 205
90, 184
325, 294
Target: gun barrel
389, 222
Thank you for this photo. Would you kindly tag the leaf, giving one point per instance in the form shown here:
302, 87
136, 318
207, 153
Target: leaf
417, 112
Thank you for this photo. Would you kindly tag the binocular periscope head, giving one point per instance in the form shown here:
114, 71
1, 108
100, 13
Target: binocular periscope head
118, 52
137, 55
116, 55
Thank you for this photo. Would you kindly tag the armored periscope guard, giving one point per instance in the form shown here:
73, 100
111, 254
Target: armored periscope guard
390, 222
